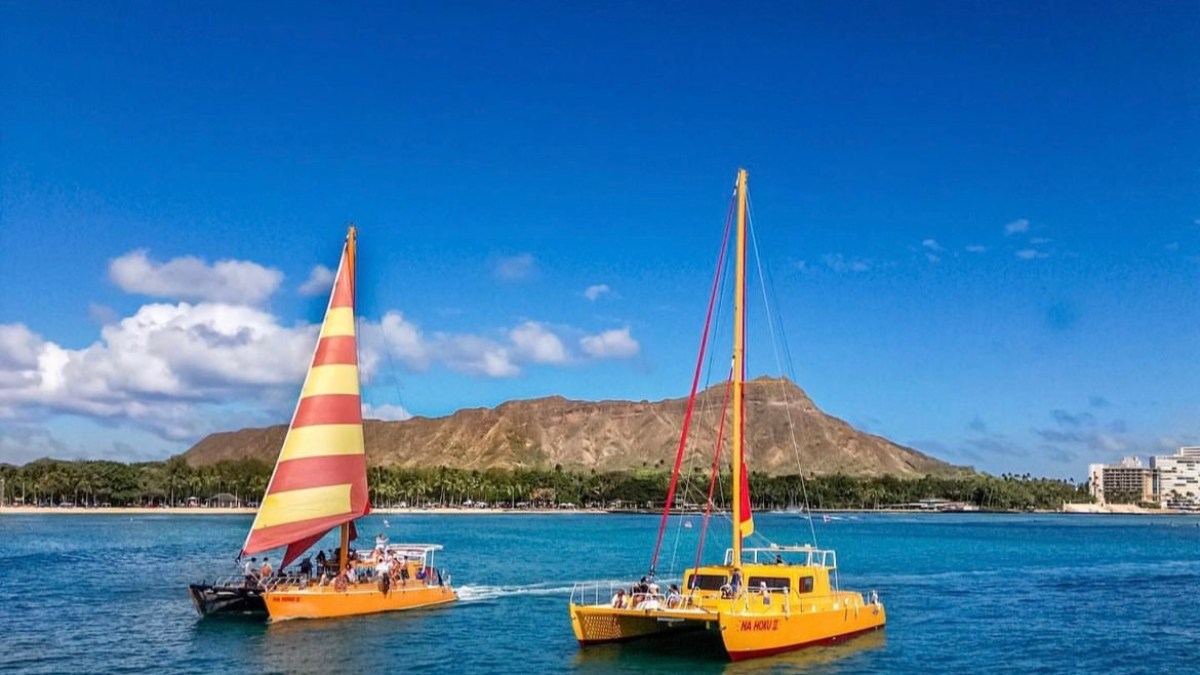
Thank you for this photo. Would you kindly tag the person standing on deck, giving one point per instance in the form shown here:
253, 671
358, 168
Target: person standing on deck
265, 571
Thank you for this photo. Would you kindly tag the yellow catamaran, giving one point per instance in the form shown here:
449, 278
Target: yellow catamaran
759, 601
320, 483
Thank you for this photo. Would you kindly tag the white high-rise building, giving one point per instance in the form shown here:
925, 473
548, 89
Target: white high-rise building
1179, 478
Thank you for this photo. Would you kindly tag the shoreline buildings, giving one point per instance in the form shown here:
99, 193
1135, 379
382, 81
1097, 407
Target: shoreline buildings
1172, 481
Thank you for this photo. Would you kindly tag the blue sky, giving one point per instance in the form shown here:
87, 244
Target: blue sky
981, 220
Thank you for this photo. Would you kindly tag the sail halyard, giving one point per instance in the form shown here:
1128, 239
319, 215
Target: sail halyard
320, 476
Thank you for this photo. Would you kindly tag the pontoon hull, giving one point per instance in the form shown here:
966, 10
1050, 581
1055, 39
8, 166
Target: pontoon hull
217, 600
321, 602
746, 629
751, 635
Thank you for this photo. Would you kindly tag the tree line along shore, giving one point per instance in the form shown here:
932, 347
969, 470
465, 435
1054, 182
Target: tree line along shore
175, 483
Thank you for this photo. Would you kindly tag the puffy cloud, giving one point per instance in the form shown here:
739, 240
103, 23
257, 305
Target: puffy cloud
976, 248
320, 281
154, 367
931, 244
188, 277
19, 347
514, 268
534, 343
594, 292
475, 355
177, 371
1016, 227
1031, 254
385, 411
611, 344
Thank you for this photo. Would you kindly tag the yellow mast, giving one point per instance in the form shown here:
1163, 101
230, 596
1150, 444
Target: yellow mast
739, 332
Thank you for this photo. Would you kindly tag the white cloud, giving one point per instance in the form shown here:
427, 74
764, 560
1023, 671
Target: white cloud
154, 367
475, 355
188, 277
385, 411
534, 343
839, 263
976, 248
933, 257
1016, 227
1031, 254
931, 244
595, 291
19, 346
514, 268
611, 344
320, 281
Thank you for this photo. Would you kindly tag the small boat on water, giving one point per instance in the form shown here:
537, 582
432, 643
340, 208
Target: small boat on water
319, 484
757, 601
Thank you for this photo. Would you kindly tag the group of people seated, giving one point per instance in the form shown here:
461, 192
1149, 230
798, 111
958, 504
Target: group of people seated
645, 594
382, 565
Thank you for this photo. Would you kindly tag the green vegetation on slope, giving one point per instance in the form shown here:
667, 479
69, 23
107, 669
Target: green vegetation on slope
52, 482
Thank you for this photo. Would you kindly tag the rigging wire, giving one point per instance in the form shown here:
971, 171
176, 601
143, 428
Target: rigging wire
687, 418
779, 364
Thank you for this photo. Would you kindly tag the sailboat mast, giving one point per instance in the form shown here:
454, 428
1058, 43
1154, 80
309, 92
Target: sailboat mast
739, 367
352, 265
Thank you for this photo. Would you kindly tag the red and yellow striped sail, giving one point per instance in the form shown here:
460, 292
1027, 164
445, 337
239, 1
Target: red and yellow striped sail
320, 478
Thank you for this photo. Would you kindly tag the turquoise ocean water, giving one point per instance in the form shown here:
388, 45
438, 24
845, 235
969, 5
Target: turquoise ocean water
964, 593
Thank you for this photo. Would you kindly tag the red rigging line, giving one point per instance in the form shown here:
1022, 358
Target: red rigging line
716, 468
691, 404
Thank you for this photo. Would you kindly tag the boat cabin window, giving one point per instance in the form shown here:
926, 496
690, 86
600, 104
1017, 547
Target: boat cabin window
707, 582
773, 583
806, 585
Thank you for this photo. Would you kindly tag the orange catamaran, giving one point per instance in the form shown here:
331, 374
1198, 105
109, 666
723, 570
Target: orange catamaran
320, 483
758, 601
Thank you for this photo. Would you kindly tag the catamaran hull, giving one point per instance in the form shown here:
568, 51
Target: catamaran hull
598, 625
744, 635
227, 600
324, 602
749, 636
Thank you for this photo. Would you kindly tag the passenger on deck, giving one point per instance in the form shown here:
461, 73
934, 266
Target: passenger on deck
381, 541
640, 589
735, 584
351, 575
674, 597
778, 559
265, 571
321, 562
766, 594
618, 600
306, 567
404, 575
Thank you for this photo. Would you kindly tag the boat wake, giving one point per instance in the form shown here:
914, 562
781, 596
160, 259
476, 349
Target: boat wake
482, 592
